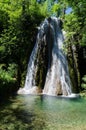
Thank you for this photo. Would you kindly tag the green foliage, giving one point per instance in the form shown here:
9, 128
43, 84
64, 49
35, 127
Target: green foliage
76, 22
7, 80
72, 29
83, 85
19, 20
8, 74
56, 9
75, 26
43, 9
4, 20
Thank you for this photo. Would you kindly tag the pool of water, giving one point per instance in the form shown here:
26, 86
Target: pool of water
27, 112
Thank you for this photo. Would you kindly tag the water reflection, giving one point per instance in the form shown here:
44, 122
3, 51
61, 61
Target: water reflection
28, 112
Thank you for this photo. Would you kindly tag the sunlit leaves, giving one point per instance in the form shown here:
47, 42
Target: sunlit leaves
77, 21
84, 82
8, 75
56, 9
71, 23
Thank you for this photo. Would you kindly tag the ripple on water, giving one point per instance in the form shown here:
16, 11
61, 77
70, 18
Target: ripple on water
26, 112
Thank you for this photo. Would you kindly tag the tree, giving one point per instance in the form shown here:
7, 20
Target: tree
18, 37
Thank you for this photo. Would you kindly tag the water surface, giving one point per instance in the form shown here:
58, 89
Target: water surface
26, 112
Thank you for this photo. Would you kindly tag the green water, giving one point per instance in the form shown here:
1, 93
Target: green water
43, 113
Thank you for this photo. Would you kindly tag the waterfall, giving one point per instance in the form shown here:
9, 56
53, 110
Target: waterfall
57, 80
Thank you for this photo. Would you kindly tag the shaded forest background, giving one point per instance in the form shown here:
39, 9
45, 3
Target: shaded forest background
19, 20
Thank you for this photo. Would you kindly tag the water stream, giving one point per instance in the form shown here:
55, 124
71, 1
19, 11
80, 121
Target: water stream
27, 112
57, 80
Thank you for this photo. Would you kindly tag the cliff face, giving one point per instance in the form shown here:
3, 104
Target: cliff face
76, 66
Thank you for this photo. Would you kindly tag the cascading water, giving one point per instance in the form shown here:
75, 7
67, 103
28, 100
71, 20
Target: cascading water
57, 80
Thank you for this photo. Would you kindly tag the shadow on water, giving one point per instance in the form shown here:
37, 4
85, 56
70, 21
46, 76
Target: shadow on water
14, 116
29, 112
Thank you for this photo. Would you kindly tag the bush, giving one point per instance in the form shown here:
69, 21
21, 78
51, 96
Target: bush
7, 80
83, 85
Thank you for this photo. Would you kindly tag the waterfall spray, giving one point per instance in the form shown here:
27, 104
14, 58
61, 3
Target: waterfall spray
57, 80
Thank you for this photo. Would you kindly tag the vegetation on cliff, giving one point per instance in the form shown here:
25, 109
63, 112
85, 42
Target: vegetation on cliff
18, 29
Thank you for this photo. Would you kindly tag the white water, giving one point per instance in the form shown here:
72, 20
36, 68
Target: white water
31, 72
57, 78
